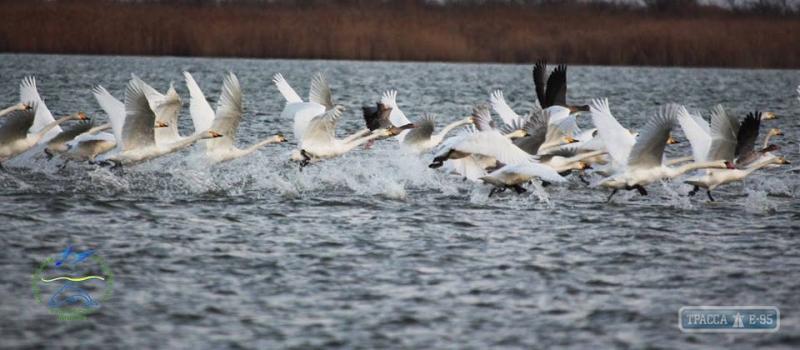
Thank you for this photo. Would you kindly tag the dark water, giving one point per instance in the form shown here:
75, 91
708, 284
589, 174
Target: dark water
375, 250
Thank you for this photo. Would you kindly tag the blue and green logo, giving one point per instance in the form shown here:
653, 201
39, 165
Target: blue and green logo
72, 281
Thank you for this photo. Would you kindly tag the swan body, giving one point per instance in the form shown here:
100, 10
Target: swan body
513, 175
422, 139
300, 112
319, 140
226, 121
715, 178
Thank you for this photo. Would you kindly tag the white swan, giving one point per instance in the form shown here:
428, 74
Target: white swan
490, 143
421, 139
14, 136
167, 108
229, 114
17, 107
499, 105
715, 178
319, 140
645, 161
133, 129
303, 112
28, 93
513, 175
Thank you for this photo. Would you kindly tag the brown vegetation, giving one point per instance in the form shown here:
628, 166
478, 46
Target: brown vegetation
407, 30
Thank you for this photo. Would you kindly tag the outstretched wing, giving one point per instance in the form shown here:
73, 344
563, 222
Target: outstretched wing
199, 109
556, 93
115, 111
482, 118
648, 152
748, 133
137, 131
320, 91
699, 139
539, 76
28, 92
617, 139
286, 90
17, 123
502, 109
724, 127
229, 114
424, 130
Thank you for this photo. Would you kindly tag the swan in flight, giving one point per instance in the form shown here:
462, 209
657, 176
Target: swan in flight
15, 137
421, 139
17, 107
226, 121
303, 112
396, 116
319, 140
167, 108
644, 163
27, 93
377, 118
488, 143
554, 91
514, 175
134, 129
729, 141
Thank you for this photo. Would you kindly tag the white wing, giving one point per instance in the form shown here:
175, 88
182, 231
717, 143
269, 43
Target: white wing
301, 113
472, 167
320, 131
493, 144
114, 109
502, 109
617, 139
695, 114
286, 90
320, 91
153, 96
648, 152
724, 130
541, 171
167, 110
101, 136
199, 109
229, 114
27, 93
396, 116
137, 131
699, 139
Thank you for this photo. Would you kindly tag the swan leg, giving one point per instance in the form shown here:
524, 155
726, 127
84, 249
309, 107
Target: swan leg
1, 167
519, 189
709, 196
62, 166
306, 159
611, 195
369, 144
439, 161
641, 190
580, 177
694, 191
48, 154
544, 184
493, 191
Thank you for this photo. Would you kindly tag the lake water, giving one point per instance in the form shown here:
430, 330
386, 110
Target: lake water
375, 250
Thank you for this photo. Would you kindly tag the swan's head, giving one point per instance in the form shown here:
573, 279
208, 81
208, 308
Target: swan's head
775, 132
570, 140
280, 138
768, 116
211, 134
517, 134
80, 116
468, 120
584, 165
160, 124
782, 160
25, 106
671, 141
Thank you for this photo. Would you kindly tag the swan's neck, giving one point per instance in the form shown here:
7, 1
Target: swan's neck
766, 140
358, 134
587, 155
677, 161
353, 144
97, 129
16, 107
258, 145
771, 160
450, 128
35, 137
183, 143
691, 166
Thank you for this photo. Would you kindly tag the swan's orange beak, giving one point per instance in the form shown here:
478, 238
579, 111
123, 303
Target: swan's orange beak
160, 124
671, 141
82, 116
214, 134
782, 160
584, 165
571, 140
281, 138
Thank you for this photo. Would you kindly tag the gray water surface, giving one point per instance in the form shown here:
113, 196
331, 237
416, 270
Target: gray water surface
375, 250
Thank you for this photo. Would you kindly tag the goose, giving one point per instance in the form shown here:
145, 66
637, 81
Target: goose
745, 152
715, 178
396, 116
514, 175
167, 107
226, 121
28, 92
554, 92
303, 112
377, 118
14, 136
17, 107
319, 140
645, 160
134, 133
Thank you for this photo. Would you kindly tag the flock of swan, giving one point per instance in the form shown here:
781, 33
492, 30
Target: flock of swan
545, 143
